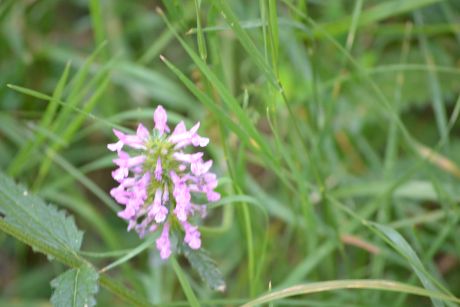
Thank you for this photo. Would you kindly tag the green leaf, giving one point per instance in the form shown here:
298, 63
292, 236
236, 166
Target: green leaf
44, 228
206, 267
75, 287
41, 225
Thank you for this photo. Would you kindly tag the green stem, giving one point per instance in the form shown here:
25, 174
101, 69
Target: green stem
189, 294
250, 247
122, 292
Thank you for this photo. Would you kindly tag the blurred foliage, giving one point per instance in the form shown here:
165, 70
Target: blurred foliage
351, 102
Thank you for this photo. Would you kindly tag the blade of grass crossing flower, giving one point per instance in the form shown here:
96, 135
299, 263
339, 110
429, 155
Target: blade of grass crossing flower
32, 145
189, 294
372, 284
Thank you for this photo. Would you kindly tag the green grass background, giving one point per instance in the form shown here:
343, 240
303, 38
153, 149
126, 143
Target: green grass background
332, 126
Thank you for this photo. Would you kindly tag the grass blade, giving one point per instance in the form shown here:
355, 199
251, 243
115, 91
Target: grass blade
317, 287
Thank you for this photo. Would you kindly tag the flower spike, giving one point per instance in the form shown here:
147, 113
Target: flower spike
158, 179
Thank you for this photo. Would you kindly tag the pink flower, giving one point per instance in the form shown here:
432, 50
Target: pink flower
163, 243
157, 178
160, 118
192, 236
158, 170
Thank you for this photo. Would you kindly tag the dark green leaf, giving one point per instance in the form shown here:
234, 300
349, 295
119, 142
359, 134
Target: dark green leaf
75, 288
42, 224
205, 267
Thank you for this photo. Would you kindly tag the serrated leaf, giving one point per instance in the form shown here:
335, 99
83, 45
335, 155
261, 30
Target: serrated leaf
75, 288
35, 222
206, 267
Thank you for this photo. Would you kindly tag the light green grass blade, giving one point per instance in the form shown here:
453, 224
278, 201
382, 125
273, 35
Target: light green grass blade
97, 20
191, 298
209, 103
246, 41
273, 30
132, 253
227, 97
399, 244
375, 14
157, 46
84, 180
257, 141
29, 92
200, 35
77, 90
32, 146
71, 129
433, 82
317, 287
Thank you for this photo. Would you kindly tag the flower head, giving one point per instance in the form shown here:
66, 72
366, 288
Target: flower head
159, 180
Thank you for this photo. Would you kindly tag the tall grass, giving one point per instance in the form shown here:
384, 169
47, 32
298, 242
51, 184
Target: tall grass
332, 126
